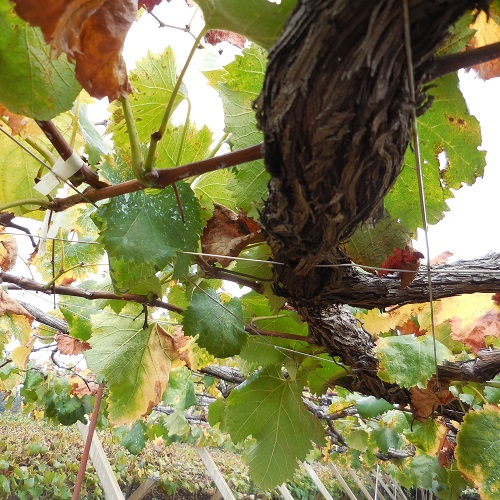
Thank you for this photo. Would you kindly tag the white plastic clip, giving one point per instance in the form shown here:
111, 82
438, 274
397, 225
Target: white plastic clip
61, 171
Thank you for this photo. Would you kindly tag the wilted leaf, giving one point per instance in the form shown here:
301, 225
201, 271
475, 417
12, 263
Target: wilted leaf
270, 409
8, 251
428, 436
228, 233
92, 33
149, 5
136, 363
81, 387
8, 305
213, 37
426, 401
478, 450
70, 346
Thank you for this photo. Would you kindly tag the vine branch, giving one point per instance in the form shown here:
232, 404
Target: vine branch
453, 62
166, 177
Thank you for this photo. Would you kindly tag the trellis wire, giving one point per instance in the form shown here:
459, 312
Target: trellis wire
420, 177
275, 263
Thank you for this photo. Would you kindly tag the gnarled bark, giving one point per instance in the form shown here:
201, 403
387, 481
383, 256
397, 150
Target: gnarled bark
335, 111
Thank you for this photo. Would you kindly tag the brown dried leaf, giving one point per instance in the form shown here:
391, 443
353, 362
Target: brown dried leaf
92, 33
426, 401
10, 306
80, 388
8, 251
228, 233
441, 258
16, 122
70, 346
213, 37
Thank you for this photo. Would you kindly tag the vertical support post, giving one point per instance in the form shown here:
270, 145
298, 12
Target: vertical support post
360, 484
215, 474
342, 482
284, 492
101, 464
317, 481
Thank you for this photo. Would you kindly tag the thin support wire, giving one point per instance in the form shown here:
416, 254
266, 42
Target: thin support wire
420, 177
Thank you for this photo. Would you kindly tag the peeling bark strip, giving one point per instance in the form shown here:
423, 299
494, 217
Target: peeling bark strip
335, 112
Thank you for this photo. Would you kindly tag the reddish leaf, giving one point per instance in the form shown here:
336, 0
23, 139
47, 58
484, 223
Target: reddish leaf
70, 346
447, 454
496, 299
411, 327
213, 37
92, 33
228, 233
474, 334
406, 259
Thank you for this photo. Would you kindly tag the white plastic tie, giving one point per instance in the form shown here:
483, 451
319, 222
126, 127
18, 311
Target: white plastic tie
61, 171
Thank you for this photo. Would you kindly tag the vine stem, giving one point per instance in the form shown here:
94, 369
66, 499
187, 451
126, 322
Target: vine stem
166, 177
26, 201
135, 145
156, 136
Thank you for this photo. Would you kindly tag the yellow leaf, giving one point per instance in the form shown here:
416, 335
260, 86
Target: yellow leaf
21, 354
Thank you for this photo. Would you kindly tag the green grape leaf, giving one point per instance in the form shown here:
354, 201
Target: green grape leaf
33, 84
428, 436
136, 438
371, 245
136, 362
478, 450
256, 353
211, 188
134, 277
492, 394
148, 227
239, 84
220, 329
357, 439
321, 378
448, 127
154, 80
408, 360
259, 20
77, 312
386, 438
370, 406
256, 310
195, 147
270, 409
180, 393
69, 410
19, 182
